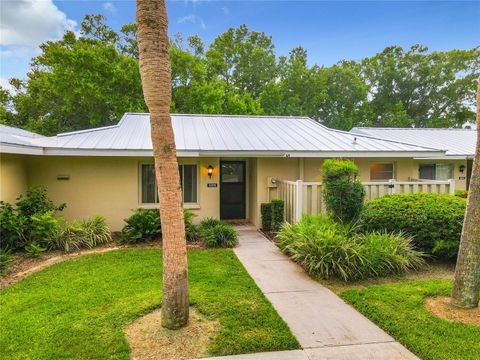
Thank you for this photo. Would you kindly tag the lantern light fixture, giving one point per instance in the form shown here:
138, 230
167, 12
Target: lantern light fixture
210, 171
461, 168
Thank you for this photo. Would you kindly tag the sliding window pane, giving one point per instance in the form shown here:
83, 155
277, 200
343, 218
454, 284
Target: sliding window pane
189, 183
148, 184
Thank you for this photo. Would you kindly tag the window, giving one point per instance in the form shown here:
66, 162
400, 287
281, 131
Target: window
435, 171
381, 171
188, 180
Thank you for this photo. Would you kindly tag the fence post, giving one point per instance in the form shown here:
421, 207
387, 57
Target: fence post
298, 199
452, 186
391, 186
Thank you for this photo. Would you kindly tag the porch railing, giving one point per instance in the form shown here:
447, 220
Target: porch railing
303, 197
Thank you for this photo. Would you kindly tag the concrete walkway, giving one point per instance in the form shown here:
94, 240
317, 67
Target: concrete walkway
325, 326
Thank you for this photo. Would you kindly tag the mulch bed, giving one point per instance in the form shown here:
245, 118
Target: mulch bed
440, 307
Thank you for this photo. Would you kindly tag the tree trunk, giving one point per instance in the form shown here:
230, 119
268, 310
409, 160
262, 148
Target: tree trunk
156, 82
466, 288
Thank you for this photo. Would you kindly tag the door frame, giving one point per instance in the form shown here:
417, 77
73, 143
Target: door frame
245, 185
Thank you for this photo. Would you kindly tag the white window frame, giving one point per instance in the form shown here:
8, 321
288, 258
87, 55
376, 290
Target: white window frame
189, 205
394, 174
435, 164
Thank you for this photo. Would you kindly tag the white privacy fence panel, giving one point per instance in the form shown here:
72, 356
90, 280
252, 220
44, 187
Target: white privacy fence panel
306, 197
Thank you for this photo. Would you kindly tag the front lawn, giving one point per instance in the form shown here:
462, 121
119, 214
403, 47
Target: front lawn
78, 309
399, 310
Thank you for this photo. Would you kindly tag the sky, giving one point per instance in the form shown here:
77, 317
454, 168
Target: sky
330, 30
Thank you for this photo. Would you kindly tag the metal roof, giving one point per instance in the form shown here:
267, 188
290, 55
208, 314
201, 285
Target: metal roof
457, 142
202, 135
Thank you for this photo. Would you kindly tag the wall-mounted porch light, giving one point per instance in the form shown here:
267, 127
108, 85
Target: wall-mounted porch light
210, 171
461, 168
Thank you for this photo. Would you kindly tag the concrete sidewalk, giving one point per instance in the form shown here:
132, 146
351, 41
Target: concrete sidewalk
325, 326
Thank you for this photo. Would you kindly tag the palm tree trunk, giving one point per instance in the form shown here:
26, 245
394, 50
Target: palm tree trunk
466, 288
155, 72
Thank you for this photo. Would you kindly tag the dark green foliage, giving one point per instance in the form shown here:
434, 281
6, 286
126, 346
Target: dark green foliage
78, 309
266, 212
210, 222
34, 250
433, 220
88, 233
219, 235
192, 232
11, 228
45, 229
342, 193
36, 201
5, 260
143, 225
278, 214
399, 309
328, 249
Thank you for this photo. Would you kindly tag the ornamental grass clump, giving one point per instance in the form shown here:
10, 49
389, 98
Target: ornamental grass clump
333, 250
220, 235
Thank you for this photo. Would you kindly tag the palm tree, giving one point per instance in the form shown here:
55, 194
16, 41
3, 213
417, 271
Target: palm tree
466, 288
155, 72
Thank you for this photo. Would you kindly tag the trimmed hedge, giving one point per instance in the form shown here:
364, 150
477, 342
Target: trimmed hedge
266, 212
435, 221
278, 210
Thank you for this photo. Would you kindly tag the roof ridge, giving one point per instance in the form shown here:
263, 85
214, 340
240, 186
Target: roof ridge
94, 129
377, 138
229, 115
399, 128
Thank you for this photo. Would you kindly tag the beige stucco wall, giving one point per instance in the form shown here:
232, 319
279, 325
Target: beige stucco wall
13, 176
109, 186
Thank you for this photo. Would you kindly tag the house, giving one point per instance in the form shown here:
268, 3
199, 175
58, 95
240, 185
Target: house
455, 164
227, 163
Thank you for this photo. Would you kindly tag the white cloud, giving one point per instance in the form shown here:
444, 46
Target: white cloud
193, 19
110, 7
31, 22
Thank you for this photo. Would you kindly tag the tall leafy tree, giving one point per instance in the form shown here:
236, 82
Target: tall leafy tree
466, 288
419, 88
155, 70
78, 82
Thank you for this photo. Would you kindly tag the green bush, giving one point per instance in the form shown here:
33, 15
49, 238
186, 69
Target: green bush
36, 201
192, 231
5, 260
143, 225
342, 193
44, 229
219, 235
434, 221
328, 249
11, 228
88, 233
210, 222
278, 210
34, 250
266, 212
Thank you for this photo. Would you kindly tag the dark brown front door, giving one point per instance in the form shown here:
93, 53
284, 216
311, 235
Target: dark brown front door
232, 190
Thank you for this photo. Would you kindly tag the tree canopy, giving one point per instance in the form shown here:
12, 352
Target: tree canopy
90, 79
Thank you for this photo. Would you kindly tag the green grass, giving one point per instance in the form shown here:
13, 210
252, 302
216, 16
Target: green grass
78, 309
399, 310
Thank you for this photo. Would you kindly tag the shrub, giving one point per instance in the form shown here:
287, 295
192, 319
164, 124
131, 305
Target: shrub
278, 209
78, 234
461, 193
142, 225
192, 232
210, 222
11, 228
44, 229
266, 212
34, 250
219, 235
433, 220
36, 201
95, 232
5, 260
330, 249
343, 194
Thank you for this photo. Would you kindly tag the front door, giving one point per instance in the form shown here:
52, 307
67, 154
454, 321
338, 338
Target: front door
232, 190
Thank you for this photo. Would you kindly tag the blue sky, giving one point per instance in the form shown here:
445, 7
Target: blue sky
330, 31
